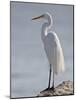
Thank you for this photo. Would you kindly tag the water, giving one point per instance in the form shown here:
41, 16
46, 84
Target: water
29, 64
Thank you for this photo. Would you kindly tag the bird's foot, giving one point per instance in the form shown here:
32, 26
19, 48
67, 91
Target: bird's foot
52, 88
49, 89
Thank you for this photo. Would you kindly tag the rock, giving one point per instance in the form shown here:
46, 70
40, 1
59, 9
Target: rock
66, 88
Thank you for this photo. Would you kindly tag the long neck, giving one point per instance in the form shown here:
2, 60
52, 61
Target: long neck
45, 27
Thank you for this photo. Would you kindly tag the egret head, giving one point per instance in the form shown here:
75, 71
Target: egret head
46, 16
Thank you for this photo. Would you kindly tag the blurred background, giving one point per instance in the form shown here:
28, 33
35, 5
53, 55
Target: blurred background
29, 64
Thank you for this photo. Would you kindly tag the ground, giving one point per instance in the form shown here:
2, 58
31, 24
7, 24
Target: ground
65, 88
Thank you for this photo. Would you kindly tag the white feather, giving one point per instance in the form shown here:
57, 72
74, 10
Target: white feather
54, 52
52, 46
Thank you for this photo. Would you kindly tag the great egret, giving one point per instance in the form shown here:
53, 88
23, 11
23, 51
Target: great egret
52, 47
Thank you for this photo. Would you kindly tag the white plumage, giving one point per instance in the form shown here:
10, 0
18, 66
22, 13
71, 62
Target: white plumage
52, 45
54, 52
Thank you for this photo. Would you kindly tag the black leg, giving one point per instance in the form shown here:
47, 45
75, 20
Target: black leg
52, 88
48, 89
49, 77
53, 82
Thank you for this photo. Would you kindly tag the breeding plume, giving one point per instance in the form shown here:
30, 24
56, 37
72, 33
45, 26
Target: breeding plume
52, 47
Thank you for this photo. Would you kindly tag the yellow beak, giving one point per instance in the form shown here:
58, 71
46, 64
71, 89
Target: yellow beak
38, 17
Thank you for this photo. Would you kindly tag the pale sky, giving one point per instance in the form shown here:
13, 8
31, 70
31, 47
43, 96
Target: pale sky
27, 52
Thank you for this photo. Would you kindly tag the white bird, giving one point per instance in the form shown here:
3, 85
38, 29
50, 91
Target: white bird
52, 47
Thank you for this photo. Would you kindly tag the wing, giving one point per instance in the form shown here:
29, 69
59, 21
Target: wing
54, 52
